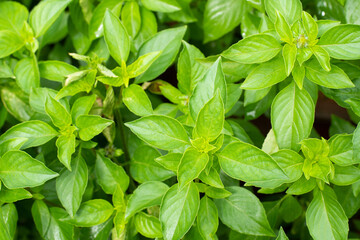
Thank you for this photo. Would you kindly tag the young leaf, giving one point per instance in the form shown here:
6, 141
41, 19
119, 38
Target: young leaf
245, 162
142, 64
45, 13
148, 225
298, 73
291, 162
146, 195
325, 217
91, 213
91, 125
210, 121
168, 42
191, 165
283, 29
66, 147
178, 211
342, 42
310, 26
166, 6
282, 235
130, 16
335, 78
341, 150
289, 55
71, 185
243, 212
302, 186
36, 132
266, 74
56, 70
27, 74
292, 116
136, 100
160, 131
290, 9
110, 175
57, 112
82, 106
207, 219
19, 170
220, 17
116, 37
322, 56
253, 49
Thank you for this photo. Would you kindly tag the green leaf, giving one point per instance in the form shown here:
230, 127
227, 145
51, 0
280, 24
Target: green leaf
8, 221
91, 213
292, 116
345, 175
56, 70
161, 5
142, 64
91, 125
289, 55
290, 9
178, 211
243, 212
58, 113
253, 49
10, 42
168, 42
36, 132
170, 161
207, 87
291, 162
116, 37
302, 186
189, 71
146, 30
83, 84
136, 100
148, 225
191, 165
71, 185
245, 162
354, 104
340, 125
12, 16
143, 166
110, 175
18, 170
351, 9
27, 74
45, 14
324, 25
266, 74
322, 56
146, 195
341, 150
335, 78
355, 140
210, 121
298, 73
130, 16
325, 217
282, 235
41, 216
342, 42
283, 29
82, 106
13, 195
215, 193
160, 131
207, 219
66, 147
310, 26
220, 17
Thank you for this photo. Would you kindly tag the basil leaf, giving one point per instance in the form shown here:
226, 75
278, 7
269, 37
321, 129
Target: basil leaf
355, 140
45, 14
109, 175
146, 195
10, 42
82, 106
341, 150
302, 186
13, 195
57, 112
283, 29
322, 56
12, 16
351, 7
345, 175
130, 16
178, 211
220, 17
142, 64
291, 162
148, 225
243, 212
290, 9
27, 74
160, 131
342, 42
253, 49
207, 219
8, 221
168, 42
292, 116
245, 162
91, 125
161, 5
289, 55
56, 70
136, 100
66, 147
19, 170
71, 185
116, 37
325, 217
282, 235
91, 213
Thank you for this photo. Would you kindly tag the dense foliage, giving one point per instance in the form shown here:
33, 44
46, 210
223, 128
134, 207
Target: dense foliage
134, 119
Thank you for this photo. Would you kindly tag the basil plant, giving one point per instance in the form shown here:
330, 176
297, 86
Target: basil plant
179, 119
